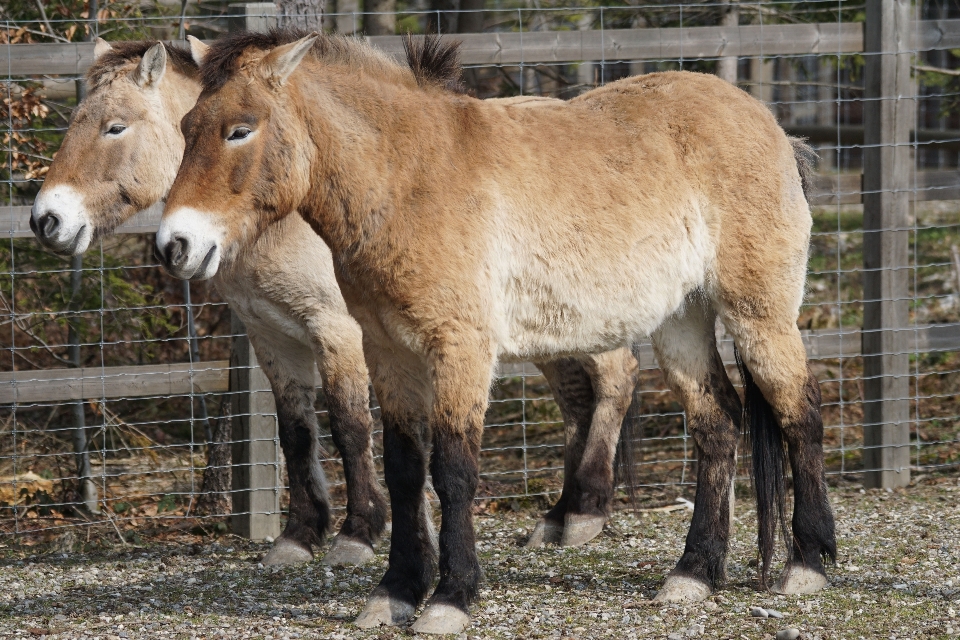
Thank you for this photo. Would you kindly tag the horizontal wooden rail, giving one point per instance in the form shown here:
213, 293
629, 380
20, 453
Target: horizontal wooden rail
64, 385
535, 47
842, 188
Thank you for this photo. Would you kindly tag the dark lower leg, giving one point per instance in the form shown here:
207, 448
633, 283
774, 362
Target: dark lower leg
573, 392
715, 432
351, 427
613, 376
411, 569
813, 526
705, 551
455, 476
309, 504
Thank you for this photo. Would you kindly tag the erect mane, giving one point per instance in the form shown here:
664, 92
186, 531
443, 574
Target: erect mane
435, 60
429, 61
122, 53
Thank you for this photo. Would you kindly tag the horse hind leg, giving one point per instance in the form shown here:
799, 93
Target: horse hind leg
687, 353
573, 392
783, 404
614, 376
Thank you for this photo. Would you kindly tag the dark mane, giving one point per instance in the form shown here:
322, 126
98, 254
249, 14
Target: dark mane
435, 60
124, 52
219, 63
431, 60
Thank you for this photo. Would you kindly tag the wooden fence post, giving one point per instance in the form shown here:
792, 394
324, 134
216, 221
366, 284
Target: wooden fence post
256, 449
889, 111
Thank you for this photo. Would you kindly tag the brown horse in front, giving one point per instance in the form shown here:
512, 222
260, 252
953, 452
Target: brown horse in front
467, 232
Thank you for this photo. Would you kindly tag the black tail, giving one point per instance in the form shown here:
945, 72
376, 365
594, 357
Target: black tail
769, 459
806, 159
631, 439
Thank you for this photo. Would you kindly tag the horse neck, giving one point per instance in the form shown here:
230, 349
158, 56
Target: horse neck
376, 131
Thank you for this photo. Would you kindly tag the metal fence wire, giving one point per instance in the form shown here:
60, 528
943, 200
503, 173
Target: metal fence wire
114, 377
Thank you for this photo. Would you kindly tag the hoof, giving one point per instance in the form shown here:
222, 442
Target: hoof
797, 579
347, 551
287, 552
578, 530
440, 619
546, 532
384, 611
683, 589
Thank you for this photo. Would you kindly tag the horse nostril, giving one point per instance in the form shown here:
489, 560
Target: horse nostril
175, 253
49, 225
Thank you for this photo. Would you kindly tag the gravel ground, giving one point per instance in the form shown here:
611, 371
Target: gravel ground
898, 576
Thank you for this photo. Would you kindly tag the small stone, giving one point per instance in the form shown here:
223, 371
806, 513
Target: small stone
759, 612
788, 634
710, 605
773, 613
674, 636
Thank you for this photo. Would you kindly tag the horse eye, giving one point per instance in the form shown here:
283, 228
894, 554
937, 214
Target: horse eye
239, 133
116, 129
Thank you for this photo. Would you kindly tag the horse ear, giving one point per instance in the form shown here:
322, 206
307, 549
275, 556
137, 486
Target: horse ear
100, 48
280, 63
152, 66
198, 50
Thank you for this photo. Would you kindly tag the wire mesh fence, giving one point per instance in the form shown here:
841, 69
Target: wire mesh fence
114, 379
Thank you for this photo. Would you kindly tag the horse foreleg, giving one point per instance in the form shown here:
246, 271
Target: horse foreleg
686, 350
344, 375
412, 547
289, 368
461, 381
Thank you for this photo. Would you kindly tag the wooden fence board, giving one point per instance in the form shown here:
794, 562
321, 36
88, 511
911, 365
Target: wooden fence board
65, 385
73, 59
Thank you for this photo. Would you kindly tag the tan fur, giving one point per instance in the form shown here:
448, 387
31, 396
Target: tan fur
677, 180
468, 232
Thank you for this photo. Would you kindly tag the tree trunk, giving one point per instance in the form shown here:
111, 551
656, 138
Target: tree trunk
442, 17
727, 65
471, 21
302, 14
380, 18
215, 492
471, 18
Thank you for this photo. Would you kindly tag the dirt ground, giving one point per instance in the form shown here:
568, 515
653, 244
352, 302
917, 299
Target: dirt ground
898, 576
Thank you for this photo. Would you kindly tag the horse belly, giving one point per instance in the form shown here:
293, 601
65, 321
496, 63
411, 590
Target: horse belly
553, 309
